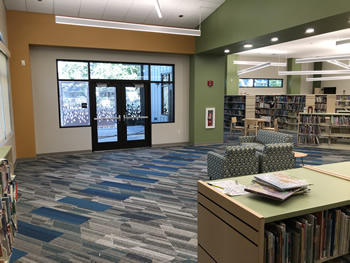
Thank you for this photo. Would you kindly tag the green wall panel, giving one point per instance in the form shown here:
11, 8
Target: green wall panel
293, 81
239, 20
232, 78
202, 69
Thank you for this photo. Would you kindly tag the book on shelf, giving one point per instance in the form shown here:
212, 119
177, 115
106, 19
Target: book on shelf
310, 238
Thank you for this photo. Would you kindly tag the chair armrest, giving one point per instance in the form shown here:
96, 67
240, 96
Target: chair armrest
245, 139
215, 165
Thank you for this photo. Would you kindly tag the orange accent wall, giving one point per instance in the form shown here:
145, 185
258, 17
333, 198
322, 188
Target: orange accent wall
25, 29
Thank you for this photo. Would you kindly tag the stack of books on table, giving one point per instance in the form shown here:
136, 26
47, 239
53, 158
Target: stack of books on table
278, 185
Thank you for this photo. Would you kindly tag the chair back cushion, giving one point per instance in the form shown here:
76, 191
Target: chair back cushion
267, 137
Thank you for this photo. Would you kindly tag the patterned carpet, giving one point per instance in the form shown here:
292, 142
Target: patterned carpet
136, 205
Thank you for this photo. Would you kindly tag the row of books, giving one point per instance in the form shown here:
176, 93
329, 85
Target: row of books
309, 238
340, 120
263, 105
234, 112
234, 106
264, 111
266, 99
310, 119
310, 129
321, 99
235, 99
309, 139
321, 107
343, 97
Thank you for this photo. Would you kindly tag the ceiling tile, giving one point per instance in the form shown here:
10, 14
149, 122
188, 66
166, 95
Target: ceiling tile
19, 5
40, 7
67, 7
139, 11
92, 8
116, 10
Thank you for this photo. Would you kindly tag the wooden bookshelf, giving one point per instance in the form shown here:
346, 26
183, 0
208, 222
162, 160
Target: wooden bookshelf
313, 127
231, 229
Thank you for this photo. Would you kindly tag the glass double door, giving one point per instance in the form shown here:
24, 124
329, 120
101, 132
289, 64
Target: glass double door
121, 115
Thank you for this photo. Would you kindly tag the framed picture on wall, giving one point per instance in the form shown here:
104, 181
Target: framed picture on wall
209, 118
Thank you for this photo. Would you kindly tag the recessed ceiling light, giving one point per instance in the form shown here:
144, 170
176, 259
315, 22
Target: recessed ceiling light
274, 39
248, 45
309, 30
227, 51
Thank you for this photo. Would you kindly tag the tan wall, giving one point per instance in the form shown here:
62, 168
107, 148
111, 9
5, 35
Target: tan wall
26, 29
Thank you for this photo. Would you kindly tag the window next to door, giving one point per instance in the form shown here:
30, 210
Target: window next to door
73, 88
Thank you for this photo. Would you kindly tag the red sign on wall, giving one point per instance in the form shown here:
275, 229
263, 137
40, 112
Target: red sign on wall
210, 83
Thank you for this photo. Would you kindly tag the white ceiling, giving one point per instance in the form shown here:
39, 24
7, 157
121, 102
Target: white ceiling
320, 45
131, 11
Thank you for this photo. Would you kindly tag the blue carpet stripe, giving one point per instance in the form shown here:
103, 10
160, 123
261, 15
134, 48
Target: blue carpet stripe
61, 216
95, 206
164, 168
191, 152
185, 155
123, 186
17, 254
177, 158
170, 162
105, 194
37, 232
136, 178
148, 172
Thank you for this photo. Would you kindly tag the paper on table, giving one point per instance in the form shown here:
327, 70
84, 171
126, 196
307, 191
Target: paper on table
230, 187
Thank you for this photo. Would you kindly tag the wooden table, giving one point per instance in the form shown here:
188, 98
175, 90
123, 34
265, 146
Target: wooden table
300, 155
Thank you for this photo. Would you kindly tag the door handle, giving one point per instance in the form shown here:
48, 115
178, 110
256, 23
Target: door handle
110, 118
138, 117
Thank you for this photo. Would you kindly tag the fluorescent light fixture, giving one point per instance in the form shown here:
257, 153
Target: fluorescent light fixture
262, 65
314, 72
274, 39
248, 46
319, 59
309, 30
157, 6
338, 63
342, 42
125, 26
227, 51
254, 63
328, 78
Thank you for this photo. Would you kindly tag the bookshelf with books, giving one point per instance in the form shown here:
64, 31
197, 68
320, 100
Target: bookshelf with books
320, 103
313, 227
342, 103
9, 198
315, 126
234, 106
283, 107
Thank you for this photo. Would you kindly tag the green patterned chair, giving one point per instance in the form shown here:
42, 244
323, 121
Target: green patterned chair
264, 137
236, 161
276, 157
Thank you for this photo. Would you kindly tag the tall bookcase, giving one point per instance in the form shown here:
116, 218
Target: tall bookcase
315, 126
231, 229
